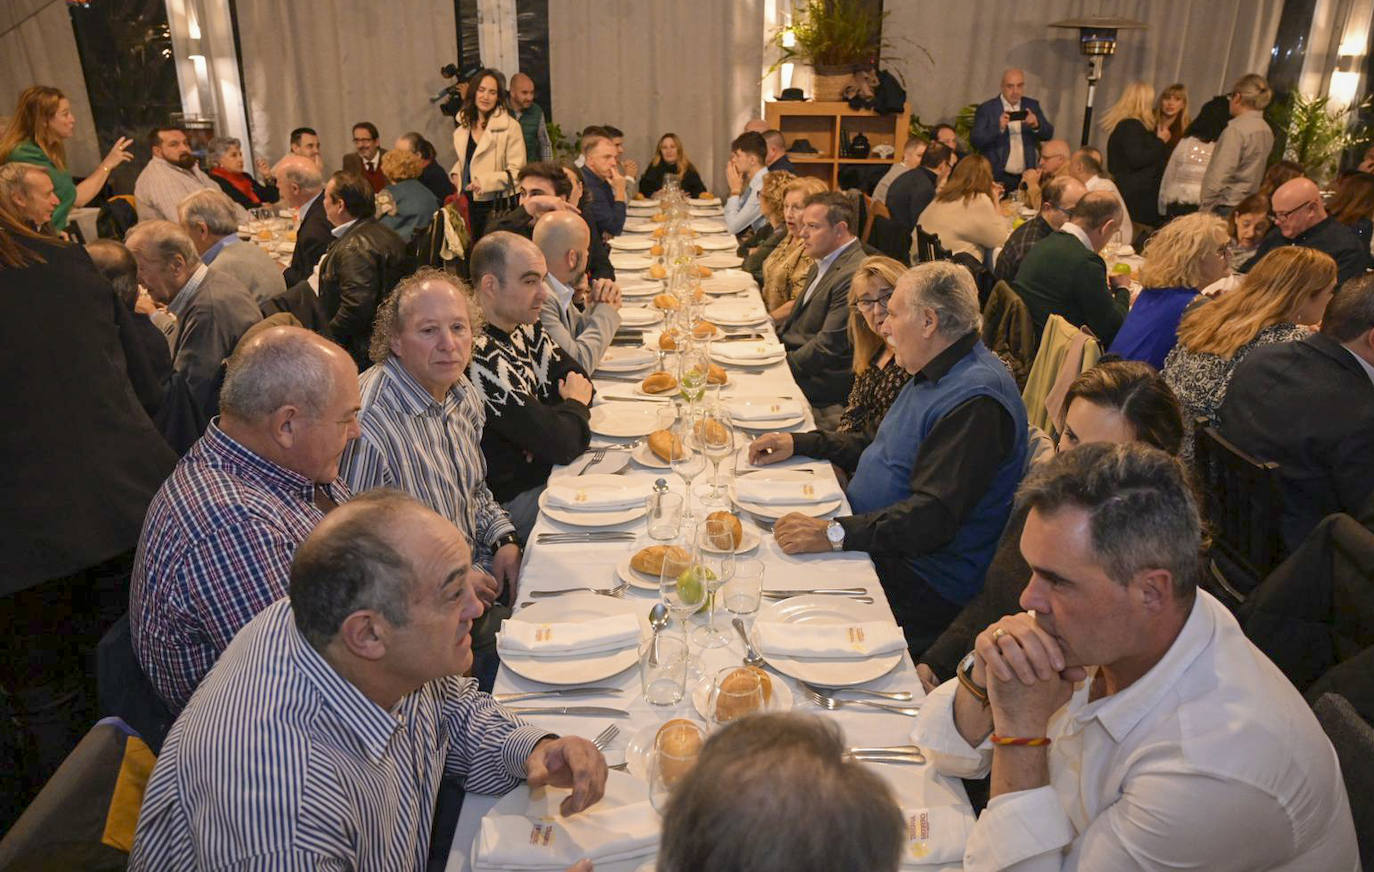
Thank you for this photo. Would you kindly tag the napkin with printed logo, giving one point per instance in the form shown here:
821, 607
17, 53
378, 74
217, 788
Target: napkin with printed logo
935, 836
604, 494
760, 409
830, 641
561, 639
764, 490
622, 826
747, 352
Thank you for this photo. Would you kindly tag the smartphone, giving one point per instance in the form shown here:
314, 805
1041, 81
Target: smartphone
1018, 115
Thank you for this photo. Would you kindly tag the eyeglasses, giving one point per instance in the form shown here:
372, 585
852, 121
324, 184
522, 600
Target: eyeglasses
1284, 216
868, 304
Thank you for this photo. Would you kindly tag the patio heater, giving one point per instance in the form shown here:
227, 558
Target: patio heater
1096, 40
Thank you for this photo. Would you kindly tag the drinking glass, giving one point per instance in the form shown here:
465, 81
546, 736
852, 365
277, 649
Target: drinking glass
714, 555
692, 369
744, 591
678, 585
715, 437
676, 749
735, 693
664, 512
689, 464
663, 669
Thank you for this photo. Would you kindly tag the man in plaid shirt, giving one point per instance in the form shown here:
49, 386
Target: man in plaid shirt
218, 538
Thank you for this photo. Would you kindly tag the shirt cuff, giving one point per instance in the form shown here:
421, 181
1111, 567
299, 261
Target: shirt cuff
498, 528
519, 745
1016, 827
858, 532
949, 752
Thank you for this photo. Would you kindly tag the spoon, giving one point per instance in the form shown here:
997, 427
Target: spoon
751, 657
658, 619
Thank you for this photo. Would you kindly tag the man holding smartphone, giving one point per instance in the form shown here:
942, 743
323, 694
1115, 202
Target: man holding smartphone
1009, 128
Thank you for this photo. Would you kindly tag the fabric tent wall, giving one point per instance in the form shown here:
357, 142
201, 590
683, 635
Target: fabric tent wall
304, 65
648, 68
37, 47
1206, 44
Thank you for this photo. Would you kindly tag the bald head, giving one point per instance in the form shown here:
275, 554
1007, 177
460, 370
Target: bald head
1013, 85
280, 366
756, 125
1054, 157
1297, 206
563, 237
521, 92
299, 178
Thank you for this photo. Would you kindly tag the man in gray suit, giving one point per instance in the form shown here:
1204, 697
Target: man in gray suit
816, 333
208, 218
212, 310
564, 239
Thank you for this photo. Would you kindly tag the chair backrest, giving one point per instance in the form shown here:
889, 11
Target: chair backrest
928, 247
1242, 503
1353, 739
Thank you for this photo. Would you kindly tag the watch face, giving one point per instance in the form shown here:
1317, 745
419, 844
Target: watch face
834, 532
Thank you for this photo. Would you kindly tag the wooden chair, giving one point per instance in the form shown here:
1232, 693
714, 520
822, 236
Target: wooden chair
1242, 504
928, 247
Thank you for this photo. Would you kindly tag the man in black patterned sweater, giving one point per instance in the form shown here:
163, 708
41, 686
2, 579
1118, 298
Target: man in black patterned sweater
536, 396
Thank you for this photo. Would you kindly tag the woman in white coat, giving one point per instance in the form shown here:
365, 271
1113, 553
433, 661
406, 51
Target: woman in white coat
490, 147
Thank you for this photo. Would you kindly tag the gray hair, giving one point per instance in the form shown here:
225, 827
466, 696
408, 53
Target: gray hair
161, 241
1142, 513
390, 317
213, 208
219, 146
14, 179
784, 775
281, 366
303, 174
1253, 91
349, 563
949, 289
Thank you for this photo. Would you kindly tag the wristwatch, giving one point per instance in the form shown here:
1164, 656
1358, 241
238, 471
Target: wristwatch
835, 534
508, 539
964, 672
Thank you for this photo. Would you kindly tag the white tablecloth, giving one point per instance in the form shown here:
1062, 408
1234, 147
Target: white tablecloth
559, 566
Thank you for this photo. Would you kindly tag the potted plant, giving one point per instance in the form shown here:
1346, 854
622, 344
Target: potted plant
1315, 134
837, 38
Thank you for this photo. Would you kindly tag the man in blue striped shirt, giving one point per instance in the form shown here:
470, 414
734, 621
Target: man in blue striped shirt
319, 739
218, 537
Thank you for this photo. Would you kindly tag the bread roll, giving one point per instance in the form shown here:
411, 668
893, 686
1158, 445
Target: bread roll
659, 217
698, 294
704, 329
659, 232
656, 250
735, 699
658, 271
699, 250
659, 383
715, 375
666, 301
650, 560
711, 431
704, 272
706, 195
667, 340
679, 744
665, 445
732, 523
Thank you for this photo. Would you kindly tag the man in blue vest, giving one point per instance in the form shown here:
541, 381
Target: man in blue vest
931, 491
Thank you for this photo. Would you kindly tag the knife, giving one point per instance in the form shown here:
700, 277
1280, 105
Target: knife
742, 337
913, 759
570, 710
504, 698
846, 591
864, 600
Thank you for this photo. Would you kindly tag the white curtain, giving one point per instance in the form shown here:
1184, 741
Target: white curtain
328, 67
1205, 44
652, 67
37, 47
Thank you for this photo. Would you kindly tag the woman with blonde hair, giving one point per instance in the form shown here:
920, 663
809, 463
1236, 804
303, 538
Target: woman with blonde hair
1171, 114
1185, 256
784, 271
406, 205
671, 157
1137, 150
771, 206
36, 134
1288, 288
877, 377
964, 214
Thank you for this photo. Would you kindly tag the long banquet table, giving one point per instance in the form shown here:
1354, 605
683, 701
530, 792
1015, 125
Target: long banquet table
548, 567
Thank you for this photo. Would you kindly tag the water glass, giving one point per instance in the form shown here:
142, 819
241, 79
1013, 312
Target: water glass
663, 669
735, 693
744, 591
664, 512
676, 749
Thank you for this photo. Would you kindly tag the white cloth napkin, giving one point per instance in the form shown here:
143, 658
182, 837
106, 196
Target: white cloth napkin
760, 350
557, 639
774, 410
832, 641
935, 836
592, 496
759, 488
622, 826
639, 316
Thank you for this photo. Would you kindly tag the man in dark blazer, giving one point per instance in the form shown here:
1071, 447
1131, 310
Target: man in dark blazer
366, 159
816, 332
302, 187
1063, 274
1008, 130
365, 262
1309, 407
911, 192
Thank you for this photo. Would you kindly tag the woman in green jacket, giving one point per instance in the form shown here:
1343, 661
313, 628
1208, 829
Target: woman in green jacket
36, 134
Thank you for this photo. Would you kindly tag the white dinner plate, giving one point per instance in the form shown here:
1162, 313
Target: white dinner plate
724, 242
708, 225
749, 541
734, 313
630, 261
639, 316
624, 420
631, 243
646, 277
639, 225
698, 201
591, 519
576, 608
644, 456
722, 356
728, 281
706, 211
637, 287
625, 358
773, 512
828, 610
646, 203
779, 701
633, 576
720, 260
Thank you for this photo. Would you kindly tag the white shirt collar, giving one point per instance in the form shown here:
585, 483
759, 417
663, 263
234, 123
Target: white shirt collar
1080, 234
1366, 365
343, 228
182, 300
1008, 107
561, 291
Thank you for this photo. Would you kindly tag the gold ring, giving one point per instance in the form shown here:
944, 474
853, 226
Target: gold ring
998, 633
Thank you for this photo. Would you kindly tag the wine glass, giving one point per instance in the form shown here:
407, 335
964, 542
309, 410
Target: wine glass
735, 693
689, 463
676, 749
678, 585
714, 557
693, 367
744, 591
715, 437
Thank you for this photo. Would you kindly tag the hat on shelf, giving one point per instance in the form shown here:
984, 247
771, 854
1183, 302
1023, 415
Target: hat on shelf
802, 146
884, 151
791, 94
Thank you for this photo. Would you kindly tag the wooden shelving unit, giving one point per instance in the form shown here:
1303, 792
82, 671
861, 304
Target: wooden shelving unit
821, 124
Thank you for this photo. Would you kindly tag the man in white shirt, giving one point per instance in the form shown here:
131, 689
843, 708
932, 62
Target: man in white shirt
171, 175
745, 173
1009, 128
1086, 166
564, 239
1127, 721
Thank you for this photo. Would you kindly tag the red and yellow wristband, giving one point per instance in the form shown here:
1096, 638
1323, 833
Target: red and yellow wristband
1018, 741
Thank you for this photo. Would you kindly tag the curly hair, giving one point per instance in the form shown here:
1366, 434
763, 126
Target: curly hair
1174, 255
388, 321
774, 189
399, 165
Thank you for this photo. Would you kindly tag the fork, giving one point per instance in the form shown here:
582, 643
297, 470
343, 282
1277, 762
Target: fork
830, 703
617, 591
605, 737
597, 456
899, 695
